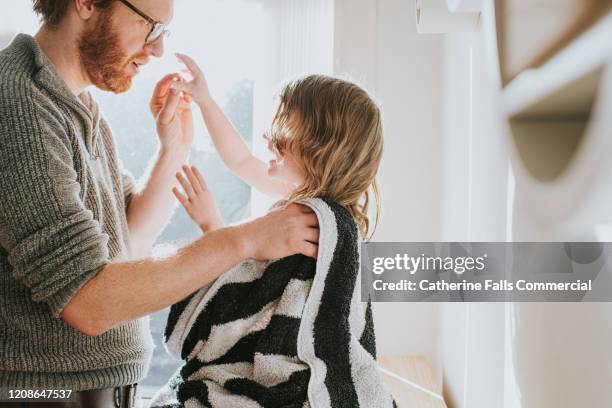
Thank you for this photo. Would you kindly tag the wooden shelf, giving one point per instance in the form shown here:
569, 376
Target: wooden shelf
415, 370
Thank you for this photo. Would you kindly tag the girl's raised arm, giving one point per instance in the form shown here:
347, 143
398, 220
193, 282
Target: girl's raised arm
231, 147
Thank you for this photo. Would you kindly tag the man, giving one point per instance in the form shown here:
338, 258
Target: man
71, 301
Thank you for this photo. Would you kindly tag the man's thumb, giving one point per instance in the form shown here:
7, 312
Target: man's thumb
169, 109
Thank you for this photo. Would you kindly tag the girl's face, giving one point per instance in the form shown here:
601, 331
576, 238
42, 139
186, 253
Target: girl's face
285, 166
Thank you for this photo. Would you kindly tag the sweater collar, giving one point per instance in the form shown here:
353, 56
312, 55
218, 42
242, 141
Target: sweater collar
46, 76
45, 72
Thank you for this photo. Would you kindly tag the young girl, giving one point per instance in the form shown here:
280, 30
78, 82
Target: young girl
326, 136
292, 332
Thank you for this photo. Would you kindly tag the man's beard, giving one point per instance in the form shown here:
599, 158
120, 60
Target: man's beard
102, 57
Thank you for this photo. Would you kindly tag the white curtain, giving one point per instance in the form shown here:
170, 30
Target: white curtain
301, 35
306, 37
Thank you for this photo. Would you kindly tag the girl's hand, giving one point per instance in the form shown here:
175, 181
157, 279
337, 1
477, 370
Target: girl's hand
199, 202
197, 88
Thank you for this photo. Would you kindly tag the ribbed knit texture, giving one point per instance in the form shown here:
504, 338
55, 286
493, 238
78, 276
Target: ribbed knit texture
63, 201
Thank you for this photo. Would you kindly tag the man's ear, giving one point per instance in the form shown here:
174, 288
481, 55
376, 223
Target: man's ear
84, 8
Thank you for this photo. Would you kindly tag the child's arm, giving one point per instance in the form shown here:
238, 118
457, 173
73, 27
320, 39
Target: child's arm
199, 202
232, 149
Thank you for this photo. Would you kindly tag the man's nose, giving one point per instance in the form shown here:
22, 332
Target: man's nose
156, 48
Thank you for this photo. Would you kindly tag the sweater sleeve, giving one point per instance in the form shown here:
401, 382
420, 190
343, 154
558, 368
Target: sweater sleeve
54, 244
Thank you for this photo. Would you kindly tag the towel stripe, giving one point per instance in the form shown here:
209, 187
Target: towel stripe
332, 334
367, 339
292, 393
175, 312
233, 301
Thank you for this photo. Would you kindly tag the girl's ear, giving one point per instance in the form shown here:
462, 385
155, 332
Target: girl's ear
292, 145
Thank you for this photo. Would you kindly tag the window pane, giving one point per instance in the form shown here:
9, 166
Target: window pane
233, 64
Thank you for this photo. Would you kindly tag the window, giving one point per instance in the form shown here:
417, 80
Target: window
246, 48
226, 39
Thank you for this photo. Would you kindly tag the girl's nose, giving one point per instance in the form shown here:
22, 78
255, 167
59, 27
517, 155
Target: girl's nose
268, 141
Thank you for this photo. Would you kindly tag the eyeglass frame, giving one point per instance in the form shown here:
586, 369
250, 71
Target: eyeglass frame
154, 23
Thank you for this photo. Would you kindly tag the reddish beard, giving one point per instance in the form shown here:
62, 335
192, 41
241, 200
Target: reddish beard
103, 59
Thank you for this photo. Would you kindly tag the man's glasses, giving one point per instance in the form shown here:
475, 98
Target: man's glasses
157, 29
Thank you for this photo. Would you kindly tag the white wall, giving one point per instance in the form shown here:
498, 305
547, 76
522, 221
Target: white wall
471, 336
409, 73
444, 177
376, 43
430, 192
409, 68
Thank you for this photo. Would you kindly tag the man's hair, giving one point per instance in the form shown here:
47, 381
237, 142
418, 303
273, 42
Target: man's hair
52, 12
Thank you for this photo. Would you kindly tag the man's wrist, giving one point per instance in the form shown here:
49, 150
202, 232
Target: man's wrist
175, 154
241, 241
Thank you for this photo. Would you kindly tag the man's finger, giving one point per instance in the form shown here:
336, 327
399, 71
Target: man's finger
310, 250
161, 89
311, 220
312, 235
185, 102
302, 208
167, 113
187, 121
183, 106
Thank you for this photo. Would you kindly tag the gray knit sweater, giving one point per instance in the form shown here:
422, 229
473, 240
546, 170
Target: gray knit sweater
63, 202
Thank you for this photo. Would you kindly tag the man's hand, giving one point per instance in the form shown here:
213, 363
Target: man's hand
293, 229
172, 112
151, 208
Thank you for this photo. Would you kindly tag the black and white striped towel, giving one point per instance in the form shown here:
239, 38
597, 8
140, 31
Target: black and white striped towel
289, 333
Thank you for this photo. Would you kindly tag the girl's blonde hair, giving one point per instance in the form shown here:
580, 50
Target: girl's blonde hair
335, 130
